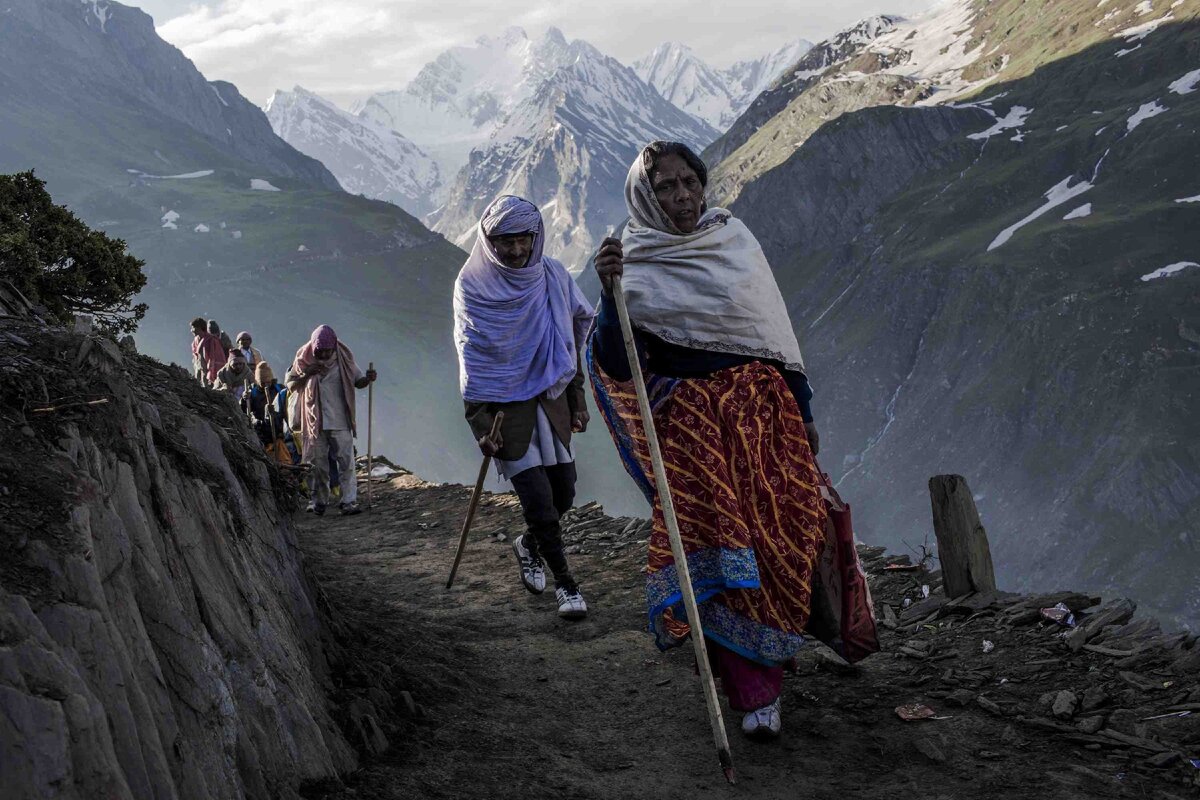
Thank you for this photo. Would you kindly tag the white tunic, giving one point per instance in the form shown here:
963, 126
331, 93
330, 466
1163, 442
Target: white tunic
335, 416
545, 450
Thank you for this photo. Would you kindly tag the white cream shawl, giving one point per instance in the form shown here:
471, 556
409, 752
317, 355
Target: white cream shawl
711, 289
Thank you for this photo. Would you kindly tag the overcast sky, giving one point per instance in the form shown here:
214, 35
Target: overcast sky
346, 49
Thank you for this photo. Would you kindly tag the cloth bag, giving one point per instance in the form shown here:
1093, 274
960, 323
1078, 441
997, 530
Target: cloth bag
843, 614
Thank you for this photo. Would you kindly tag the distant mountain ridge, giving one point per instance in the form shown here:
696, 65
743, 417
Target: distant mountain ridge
461, 98
368, 158
567, 148
716, 96
796, 77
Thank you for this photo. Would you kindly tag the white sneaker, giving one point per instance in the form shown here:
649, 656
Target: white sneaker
764, 722
533, 573
571, 604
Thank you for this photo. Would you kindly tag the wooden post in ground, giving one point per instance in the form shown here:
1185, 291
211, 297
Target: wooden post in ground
963, 551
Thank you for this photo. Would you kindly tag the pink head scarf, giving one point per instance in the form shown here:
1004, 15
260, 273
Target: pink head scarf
307, 366
323, 338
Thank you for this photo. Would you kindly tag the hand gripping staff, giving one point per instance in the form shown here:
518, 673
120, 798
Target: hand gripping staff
475, 495
370, 419
681, 565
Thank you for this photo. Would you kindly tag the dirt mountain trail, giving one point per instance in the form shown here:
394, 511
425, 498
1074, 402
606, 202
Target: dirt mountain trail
484, 692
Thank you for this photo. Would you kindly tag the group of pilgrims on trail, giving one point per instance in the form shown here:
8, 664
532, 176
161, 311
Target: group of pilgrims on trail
728, 395
309, 418
767, 542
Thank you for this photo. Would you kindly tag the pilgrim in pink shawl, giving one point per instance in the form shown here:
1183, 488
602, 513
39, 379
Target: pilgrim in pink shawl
323, 378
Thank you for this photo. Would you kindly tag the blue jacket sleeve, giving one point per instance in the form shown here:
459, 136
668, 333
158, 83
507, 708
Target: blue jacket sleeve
608, 346
797, 381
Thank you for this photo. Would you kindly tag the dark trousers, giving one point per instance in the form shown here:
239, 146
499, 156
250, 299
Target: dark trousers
546, 493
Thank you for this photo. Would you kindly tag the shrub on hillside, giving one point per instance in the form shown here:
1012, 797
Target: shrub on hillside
57, 261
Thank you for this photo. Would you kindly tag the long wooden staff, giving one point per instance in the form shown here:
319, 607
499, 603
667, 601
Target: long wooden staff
681, 566
370, 419
475, 495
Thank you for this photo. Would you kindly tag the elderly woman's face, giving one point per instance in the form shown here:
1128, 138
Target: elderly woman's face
513, 249
679, 191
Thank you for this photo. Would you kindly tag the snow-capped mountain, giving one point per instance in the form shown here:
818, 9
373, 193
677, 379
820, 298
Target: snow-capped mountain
458, 100
717, 96
367, 158
750, 78
567, 148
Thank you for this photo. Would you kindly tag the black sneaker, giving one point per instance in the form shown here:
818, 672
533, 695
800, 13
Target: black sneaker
349, 509
533, 573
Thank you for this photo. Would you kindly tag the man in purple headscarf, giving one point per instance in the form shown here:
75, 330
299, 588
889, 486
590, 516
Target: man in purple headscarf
519, 322
323, 379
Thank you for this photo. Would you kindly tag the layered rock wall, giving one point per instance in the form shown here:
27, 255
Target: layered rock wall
158, 637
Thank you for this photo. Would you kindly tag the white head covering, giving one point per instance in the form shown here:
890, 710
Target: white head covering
711, 289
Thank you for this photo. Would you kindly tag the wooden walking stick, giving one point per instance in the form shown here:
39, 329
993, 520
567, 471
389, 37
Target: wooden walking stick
475, 495
681, 566
370, 419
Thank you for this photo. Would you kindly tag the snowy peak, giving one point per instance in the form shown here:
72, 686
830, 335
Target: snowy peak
459, 99
686, 81
367, 158
752, 78
567, 148
718, 97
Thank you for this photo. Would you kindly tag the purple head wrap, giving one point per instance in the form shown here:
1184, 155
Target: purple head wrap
517, 331
323, 338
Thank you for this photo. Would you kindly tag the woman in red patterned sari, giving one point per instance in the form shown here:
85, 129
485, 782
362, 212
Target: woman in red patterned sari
731, 406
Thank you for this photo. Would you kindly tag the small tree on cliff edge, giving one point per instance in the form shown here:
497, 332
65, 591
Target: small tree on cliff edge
56, 260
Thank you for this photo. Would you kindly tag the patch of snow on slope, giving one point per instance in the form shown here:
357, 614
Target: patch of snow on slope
1145, 7
1084, 210
1139, 32
1166, 272
1195, 199
1187, 84
187, 176
1058, 195
1147, 111
1124, 51
171, 216
217, 92
262, 185
99, 11
202, 228
1015, 118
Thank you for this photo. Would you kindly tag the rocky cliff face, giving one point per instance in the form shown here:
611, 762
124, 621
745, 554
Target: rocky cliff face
158, 636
